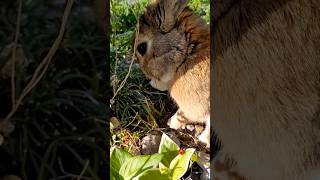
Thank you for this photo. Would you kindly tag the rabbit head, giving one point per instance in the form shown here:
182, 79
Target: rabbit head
172, 46
162, 44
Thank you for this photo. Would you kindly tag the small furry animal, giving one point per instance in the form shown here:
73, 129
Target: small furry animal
265, 83
265, 89
173, 48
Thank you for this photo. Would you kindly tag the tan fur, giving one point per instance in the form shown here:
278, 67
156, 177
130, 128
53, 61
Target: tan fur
178, 57
266, 88
265, 81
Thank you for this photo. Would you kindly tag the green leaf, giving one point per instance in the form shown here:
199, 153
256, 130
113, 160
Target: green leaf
179, 165
137, 164
164, 169
153, 174
117, 158
168, 148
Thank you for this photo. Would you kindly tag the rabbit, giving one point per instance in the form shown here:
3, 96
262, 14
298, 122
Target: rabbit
265, 89
173, 50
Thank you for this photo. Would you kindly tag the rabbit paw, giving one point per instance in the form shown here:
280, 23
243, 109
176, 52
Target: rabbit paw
205, 138
205, 135
177, 121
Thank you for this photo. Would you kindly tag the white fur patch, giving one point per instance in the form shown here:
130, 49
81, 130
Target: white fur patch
174, 123
159, 85
205, 135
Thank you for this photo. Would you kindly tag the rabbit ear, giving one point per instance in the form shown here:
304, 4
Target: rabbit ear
163, 14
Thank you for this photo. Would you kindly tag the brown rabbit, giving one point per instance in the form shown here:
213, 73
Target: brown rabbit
266, 88
173, 49
265, 80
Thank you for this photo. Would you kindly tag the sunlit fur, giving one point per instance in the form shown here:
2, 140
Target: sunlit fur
177, 58
266, 88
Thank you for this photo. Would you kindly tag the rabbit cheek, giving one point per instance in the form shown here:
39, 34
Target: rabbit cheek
157, 67
158, 85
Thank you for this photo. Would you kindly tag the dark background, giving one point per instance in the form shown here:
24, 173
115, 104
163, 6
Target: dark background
59, 130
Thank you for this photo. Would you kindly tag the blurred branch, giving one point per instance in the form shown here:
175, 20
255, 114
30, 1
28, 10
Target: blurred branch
43, 66
13, 59
70, 175
83, 170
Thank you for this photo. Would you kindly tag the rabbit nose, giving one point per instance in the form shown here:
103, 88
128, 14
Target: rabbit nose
142, 48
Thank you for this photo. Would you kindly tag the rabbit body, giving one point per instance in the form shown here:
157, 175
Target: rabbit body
265, 89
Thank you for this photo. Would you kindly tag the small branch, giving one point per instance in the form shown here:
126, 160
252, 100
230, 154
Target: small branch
70, 175
43, 66
13, 58
101, 121
134, 118
122, 83
83, 170
130, 66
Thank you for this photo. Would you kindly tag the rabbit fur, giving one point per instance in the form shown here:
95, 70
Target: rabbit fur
265, 90
173, 49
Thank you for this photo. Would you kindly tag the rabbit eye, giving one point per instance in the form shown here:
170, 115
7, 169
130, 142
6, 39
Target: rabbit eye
142, 48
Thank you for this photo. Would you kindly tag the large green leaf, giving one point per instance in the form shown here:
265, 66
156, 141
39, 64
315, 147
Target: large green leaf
117, 158
168, 148
179, 165
153, 174
163, 169
137, 164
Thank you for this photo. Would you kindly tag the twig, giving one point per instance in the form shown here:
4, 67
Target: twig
130, 66
100, 121
134, 118
70, 175
122, 83
38, 74
83, 170
133, 146
13, 58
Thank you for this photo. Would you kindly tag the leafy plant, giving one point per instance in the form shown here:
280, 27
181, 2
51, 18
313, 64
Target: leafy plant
170, 162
